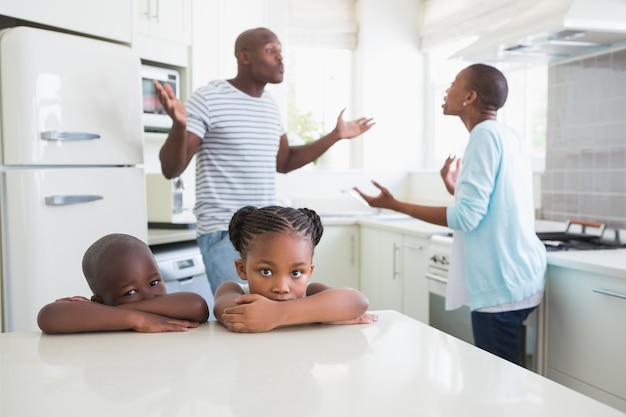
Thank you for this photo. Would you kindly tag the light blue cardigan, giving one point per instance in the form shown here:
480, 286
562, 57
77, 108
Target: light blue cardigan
504, 260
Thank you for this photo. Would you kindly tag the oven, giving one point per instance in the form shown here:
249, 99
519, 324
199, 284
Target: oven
458, 322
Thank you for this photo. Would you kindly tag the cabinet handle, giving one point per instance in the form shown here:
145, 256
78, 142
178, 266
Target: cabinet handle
156, 11
414, 247
352, 250
146, 11
66, 200
396, 271
610, 293
63, 136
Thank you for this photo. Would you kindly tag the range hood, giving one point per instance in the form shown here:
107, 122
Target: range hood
552, 30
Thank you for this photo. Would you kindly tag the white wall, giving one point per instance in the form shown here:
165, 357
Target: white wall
391, 83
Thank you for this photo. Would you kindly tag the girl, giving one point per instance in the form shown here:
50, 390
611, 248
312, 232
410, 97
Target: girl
276, 247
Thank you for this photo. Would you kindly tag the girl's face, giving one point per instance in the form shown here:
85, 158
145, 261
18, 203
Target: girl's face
130, 277
278, 266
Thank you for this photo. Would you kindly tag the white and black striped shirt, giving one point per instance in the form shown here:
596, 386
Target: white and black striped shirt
236, 161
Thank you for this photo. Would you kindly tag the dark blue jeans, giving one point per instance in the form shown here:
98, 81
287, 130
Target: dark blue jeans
500, 333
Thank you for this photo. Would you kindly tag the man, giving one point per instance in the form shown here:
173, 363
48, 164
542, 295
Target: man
235, 129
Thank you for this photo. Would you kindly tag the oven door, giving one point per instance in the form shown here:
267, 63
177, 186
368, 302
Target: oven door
457, 323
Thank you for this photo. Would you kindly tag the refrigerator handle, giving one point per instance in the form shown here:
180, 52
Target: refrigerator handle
61, 136
65, 200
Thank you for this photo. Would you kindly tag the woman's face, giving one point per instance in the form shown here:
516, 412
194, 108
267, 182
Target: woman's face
128, 277
278, 266
456, 95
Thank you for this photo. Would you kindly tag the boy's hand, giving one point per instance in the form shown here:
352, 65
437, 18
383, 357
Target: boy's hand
73, 298
153, 323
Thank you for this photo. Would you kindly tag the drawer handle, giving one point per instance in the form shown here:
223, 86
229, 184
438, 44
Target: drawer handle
62, 136
436, 278
66, 200
610, 293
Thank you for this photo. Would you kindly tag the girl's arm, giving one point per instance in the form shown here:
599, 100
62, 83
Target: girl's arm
323, 304
181, 305
225, 297
67, 316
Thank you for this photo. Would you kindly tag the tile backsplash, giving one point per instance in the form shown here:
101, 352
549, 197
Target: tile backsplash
585, 174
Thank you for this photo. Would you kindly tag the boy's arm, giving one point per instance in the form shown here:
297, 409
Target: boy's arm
181, 305
323, 304
66, 316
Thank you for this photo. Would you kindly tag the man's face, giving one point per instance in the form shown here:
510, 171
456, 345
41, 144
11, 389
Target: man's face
265, 59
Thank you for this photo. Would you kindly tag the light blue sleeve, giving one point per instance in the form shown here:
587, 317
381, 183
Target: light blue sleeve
476, 182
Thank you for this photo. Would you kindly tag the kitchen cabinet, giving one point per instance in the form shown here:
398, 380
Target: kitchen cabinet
162, 30
336, 256
109, 19
393, 269
415, 296
586, 333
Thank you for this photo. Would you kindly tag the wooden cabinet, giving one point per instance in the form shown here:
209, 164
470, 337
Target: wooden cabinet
586, 333
162, 30
109, 19
393, 267
336, 257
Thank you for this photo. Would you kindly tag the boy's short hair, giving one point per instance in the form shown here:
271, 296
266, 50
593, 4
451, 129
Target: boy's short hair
101, 250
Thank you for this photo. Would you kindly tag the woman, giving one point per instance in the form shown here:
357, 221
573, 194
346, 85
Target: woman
498, 263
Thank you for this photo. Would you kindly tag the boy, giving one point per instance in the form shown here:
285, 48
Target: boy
128, 294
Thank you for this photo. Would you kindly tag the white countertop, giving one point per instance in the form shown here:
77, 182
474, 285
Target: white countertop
611, 262
396, 367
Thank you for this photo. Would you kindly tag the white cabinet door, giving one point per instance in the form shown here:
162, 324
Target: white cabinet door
586, 333
381, 268
109, 19
69, 100
415, 288
162, 30
336, 257
51, 216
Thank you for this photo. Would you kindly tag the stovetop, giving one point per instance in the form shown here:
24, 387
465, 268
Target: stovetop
555, 245
565, 241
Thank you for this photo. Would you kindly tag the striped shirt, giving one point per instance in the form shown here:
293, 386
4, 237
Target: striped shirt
236, 160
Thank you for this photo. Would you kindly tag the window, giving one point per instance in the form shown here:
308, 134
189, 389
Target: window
525, 109
319, 86
319, 52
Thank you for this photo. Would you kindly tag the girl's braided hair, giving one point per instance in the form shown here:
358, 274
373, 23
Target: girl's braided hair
249, 222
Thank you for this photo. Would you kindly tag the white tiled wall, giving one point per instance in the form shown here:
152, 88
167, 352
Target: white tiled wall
585, 176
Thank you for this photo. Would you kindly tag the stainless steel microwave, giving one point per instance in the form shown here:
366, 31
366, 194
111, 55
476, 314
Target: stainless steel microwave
155, 119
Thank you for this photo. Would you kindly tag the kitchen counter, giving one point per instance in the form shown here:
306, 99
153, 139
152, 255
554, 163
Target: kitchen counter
398, 366
610, 262
163, 236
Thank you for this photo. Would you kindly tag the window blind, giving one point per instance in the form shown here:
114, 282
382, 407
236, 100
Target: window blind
323, 24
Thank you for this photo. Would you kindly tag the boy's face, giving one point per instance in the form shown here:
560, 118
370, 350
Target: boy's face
128, 277
277, 266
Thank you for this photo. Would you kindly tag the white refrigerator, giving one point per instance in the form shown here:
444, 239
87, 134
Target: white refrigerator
71, 162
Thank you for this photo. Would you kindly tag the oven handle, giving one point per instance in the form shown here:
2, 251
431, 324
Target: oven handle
436, 278
609, 293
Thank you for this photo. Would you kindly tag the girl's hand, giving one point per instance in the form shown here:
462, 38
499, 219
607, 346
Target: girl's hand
254, 314
362, 319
